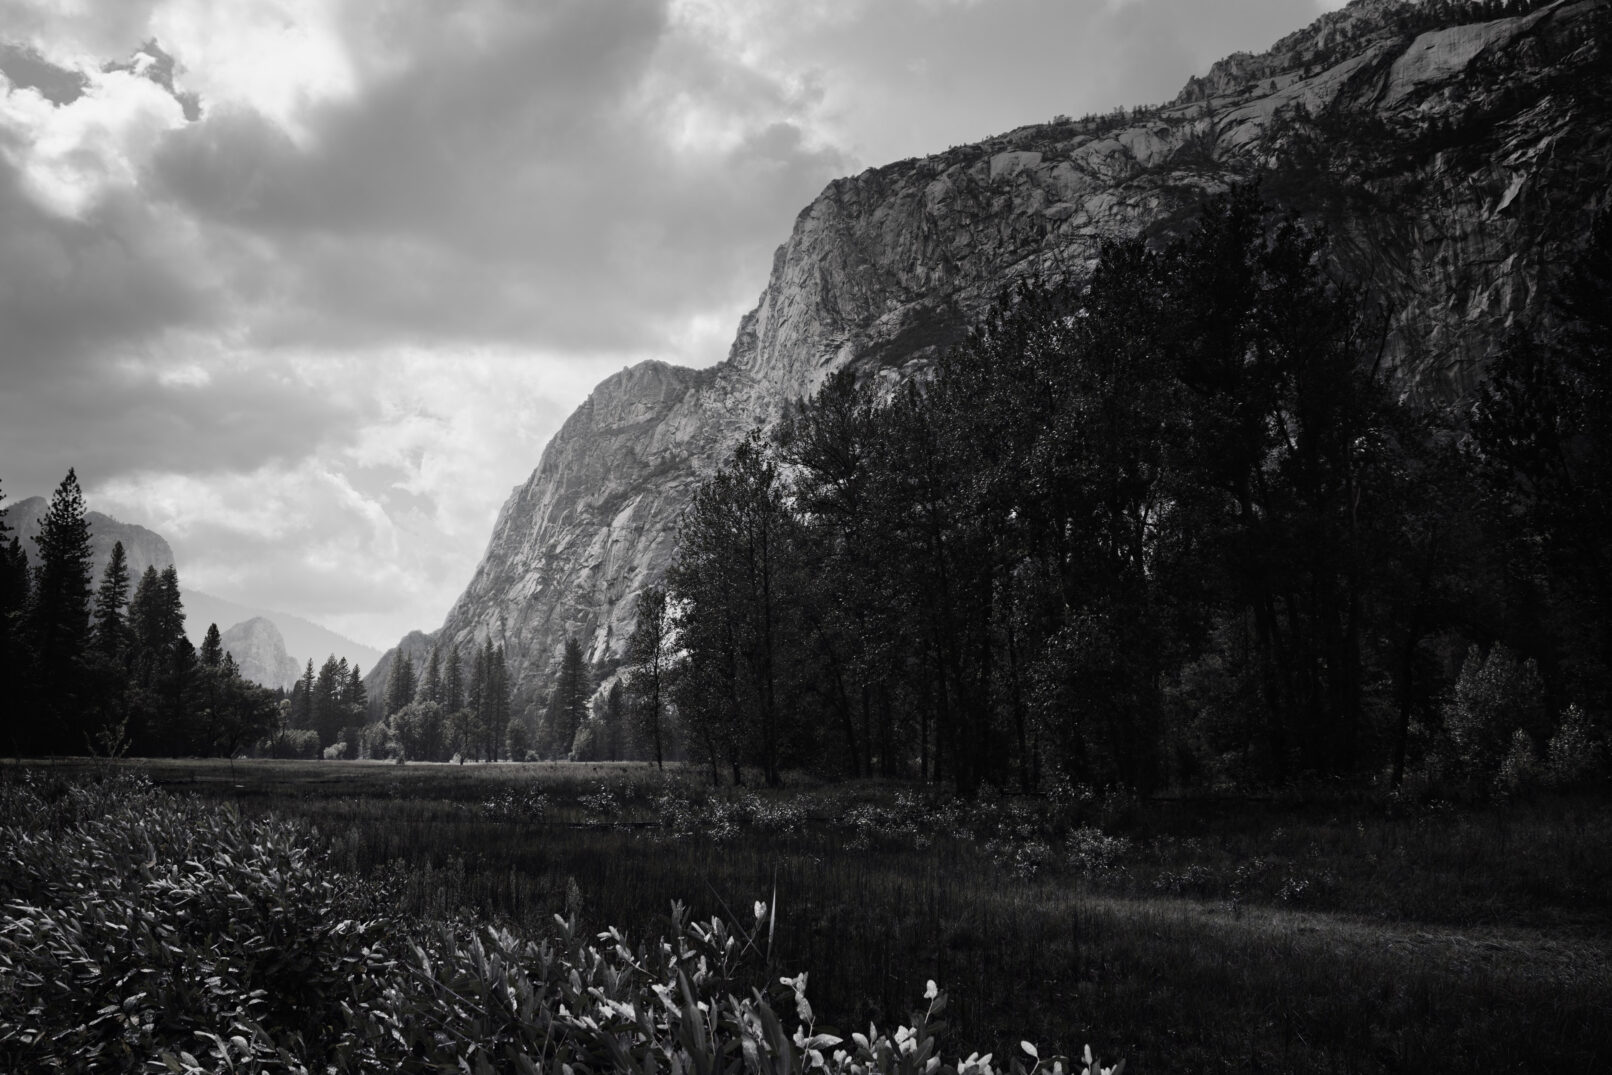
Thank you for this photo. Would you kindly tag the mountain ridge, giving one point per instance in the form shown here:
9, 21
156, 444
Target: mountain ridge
1434, 157
144, 547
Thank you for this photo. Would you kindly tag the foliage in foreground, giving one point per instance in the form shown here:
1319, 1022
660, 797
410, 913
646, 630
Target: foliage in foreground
140, 931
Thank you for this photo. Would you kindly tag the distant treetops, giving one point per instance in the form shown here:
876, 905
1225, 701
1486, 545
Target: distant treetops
92, 669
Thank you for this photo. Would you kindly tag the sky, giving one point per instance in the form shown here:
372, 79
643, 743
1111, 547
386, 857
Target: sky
307, 285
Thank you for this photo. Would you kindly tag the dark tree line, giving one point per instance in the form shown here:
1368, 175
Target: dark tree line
441, 712
1169, 526
92, 668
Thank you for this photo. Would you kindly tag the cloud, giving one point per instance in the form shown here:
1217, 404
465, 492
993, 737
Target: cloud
572, 180
375, 527
26, 69
306, 285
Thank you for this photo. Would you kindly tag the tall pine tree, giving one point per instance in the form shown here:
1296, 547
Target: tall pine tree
60, 619
13, 635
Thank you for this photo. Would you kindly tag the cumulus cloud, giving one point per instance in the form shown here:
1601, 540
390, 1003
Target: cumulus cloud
306, 285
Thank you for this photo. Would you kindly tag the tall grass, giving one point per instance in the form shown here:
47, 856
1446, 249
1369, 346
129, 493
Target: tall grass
1335, 936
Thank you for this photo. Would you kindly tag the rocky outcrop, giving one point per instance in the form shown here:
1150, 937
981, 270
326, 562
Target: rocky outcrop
142, 548
1455, 168
259, 653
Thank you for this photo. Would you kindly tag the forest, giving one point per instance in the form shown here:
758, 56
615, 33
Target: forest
1152, 676
1171, 527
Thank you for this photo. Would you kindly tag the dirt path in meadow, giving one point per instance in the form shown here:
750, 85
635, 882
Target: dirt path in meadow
1564, 957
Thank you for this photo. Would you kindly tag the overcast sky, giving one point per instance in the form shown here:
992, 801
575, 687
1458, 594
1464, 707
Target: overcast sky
307, 286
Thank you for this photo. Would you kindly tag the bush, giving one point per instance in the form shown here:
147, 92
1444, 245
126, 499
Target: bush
1572, 757
148, 921
1494, 697
1519, 769
294, 743
145, 932
378, 741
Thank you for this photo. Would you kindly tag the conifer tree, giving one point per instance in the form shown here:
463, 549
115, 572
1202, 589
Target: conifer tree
164, 668
453, 683
568, 706
611, 744
302, 700
111, 618
357, 694
60, 617
494, 699
475, 704
431, 686
212, 648
646, 652
399, 683
329, 713
13, 636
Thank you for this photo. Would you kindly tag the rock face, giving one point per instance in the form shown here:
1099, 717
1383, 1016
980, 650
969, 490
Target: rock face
142, 548
259, 652
1455, 169
304, 640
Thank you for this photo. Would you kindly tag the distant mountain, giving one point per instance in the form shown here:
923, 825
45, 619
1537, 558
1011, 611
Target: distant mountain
144, 548
141, 547
303, 639
259, 652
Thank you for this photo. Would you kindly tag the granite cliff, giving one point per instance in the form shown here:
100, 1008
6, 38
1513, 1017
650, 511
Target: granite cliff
142, 548
259, 652
1455, 167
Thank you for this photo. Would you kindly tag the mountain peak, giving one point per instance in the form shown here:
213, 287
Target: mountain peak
259, 652
1426, 145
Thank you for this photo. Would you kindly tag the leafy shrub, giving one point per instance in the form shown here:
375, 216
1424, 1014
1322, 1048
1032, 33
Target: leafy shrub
515, 804
1494, 696
136, 930
293, 743
1196, 879
1519, 769
379, 741
145, 932
1572, 756
1093, 851
602, 804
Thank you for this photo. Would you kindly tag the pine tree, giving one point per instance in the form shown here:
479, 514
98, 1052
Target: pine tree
60, 618
495, 700
329, 714
111, 619
568, 706
13, 637
612, 737
302, 700
399, 683
431, 687
453, 683
646, 652
212, 648
357, 695
475, 704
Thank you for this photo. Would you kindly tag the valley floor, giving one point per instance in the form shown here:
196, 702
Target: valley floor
1183, 936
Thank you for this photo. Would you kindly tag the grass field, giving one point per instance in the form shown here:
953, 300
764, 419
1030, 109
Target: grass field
1292, 936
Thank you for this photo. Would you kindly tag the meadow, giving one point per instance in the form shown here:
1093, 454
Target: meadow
1329, 932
